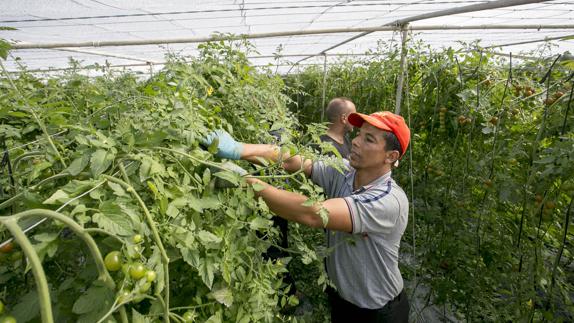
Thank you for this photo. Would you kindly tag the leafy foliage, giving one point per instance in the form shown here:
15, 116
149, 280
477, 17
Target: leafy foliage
132, 164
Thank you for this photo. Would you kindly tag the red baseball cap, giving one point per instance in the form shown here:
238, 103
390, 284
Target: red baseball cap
386, 121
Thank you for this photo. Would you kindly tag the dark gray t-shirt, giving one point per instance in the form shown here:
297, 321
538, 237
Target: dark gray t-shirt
344, 149
364, 264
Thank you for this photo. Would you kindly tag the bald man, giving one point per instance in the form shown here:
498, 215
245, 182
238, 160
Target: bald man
337, 112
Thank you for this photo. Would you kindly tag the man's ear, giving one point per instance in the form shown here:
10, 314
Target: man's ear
392, 157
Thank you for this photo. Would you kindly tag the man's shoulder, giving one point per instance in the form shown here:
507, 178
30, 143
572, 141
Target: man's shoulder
398, 191
381, 193
326, 137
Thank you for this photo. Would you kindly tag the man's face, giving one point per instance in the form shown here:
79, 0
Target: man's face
369, 149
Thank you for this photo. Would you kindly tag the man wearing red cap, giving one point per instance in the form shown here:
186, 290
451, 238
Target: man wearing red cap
367, 215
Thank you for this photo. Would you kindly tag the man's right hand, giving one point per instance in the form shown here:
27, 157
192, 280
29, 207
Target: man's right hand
227, 147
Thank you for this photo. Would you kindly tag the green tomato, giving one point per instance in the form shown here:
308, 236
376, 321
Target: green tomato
145, 287
113, 261
137, 238
188, 316
123, 296
150, 275
1, 307
8, 319
139, 298
137, 270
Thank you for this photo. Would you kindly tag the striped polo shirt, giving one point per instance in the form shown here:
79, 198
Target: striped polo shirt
363, 264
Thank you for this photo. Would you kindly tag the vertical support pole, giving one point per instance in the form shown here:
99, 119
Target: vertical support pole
403, 67
150, 64
324, 86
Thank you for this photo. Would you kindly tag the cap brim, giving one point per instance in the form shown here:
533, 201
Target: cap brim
357, 119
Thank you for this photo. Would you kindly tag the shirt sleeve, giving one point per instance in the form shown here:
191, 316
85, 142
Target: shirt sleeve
321, 174
374, 211
328, 177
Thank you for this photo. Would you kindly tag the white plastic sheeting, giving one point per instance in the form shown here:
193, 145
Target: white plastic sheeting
75, 21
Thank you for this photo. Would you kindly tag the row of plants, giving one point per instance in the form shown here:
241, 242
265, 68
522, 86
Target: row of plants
133, 226
490, 173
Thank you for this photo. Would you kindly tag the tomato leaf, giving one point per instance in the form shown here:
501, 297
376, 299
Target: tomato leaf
206, 271
209, 202
213, 147
27, 308
155, 263
100, 162
223, 296
4, 48
47, 246
149, 167
118, 189
94, 303
113, 219
259, 223
230, 177
215, 318
138, 318
208, 238
58, 197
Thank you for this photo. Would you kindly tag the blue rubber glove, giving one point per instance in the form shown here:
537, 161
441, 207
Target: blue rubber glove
227, 147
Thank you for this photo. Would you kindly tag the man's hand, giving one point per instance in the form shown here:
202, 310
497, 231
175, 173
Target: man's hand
227, 146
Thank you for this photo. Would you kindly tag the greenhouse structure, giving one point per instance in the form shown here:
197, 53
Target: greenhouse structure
287, 161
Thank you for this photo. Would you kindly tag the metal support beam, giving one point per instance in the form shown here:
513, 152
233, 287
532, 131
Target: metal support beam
441, 13
363, 30
98, 53
403, 68
531, 41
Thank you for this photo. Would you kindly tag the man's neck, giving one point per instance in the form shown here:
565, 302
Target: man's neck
336, 134
365, 176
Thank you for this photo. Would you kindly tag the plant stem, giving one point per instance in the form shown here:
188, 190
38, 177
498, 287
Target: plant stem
113, 308
16, 161
103, 273
155, 233
205, 162
14, 198
98, 230
37, 269
124, 315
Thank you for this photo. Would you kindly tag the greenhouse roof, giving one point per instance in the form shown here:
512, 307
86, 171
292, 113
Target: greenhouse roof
137, 34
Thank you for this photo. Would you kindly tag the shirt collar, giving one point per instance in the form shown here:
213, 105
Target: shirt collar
350, 177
